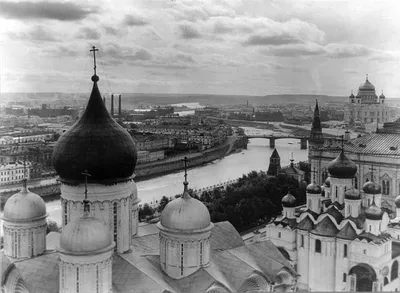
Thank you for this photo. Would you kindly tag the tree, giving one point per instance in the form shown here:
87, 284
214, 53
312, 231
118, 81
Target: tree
52, 226
146, 211
163, 202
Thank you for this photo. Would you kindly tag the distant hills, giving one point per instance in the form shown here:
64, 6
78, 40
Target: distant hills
131, 99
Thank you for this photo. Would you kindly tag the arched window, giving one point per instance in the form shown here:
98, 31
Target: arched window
318, 246
279, 234
395, 270
345, 250
344, 277
356, 182
115, 212
301, 240
182, 259
385, 186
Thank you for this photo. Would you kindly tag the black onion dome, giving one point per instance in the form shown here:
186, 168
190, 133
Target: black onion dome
96, 143
397, 201
371, 187
313, 188
374, 212
352, 194
289, 201
342, 167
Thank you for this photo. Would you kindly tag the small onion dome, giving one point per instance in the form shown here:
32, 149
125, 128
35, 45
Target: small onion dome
371, 187
367, 86
328, 182
397, 201
24, 206
289, 201
352, 194
351, 96
96, 143
342, 167
382, 96
185, 214
374, 212
87, 234
313, 188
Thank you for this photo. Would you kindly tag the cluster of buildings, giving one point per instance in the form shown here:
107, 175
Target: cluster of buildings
14, 172
102, 248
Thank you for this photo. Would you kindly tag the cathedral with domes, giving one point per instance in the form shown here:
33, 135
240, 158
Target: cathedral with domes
342, 239
366, 107
103, 249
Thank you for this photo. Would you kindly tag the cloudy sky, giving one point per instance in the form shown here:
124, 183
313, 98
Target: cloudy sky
252, 47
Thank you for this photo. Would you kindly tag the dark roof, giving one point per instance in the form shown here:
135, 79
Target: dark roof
374, 238
96, 143
275, 154
221, 232
347, 232
338, 205
305, 224
359, 221
325, 228
312, 213
342, 167
335, 214
287, 222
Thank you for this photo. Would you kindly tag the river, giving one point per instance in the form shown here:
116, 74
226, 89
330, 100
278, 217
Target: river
256, 157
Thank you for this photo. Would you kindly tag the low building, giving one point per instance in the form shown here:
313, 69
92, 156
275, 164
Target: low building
14, 172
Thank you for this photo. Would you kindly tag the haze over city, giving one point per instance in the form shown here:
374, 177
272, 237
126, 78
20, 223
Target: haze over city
207, 47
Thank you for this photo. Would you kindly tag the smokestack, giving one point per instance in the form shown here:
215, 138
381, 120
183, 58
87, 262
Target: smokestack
119, 107
112, 105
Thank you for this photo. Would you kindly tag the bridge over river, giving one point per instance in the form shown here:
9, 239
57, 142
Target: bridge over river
272, 138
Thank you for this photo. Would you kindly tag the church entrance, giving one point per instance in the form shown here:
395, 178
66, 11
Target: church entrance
365, 276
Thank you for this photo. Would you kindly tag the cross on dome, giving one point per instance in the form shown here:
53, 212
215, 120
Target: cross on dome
185, 160
342, 141
372, 172
95, 78
314, 171
86, 207
24, 181
367, 77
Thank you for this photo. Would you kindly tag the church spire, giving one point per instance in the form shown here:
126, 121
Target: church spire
316, 136
185, 183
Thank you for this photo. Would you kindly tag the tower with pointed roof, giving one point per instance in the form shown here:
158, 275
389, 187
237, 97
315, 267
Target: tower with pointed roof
316, 136
185, 231
24, 224
86, 249
98, 144
274, 164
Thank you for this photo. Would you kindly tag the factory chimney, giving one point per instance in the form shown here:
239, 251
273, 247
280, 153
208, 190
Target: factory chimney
119, 107
112, 105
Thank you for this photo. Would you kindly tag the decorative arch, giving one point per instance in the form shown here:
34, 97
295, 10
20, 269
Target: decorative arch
365, 276
217, 287
255, 283
386, 182
394, 272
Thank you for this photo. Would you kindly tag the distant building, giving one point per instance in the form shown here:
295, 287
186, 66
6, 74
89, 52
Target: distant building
293, 172
367, 107
274, 164
14, 172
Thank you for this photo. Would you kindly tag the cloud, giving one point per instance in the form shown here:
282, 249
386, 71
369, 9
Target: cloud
336, 50
63, 11
88, 33
188, 31
36, 34
126, 53
135, 19
60, 51
272, 40
294, 50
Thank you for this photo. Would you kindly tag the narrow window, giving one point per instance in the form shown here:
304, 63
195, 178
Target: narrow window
279, 234
115, 223
318, 246
301, 240
77, 280
344, 277
181, 259
66, 213
345, 250
201, 253
97, 279
365, 251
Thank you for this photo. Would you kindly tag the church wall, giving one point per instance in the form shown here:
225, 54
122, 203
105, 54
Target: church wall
303, 259
319, 278
342, 264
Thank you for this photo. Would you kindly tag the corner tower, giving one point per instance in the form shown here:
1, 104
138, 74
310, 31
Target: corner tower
98, 145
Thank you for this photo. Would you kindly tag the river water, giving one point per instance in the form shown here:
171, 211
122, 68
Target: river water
256, 157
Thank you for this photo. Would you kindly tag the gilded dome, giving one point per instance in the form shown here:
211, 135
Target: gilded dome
87, 234
374, 212
24, 206
352, 194
313, 188
96, 143
371, 187
366, 86
397, 201
185, 214
342, 167
289, 201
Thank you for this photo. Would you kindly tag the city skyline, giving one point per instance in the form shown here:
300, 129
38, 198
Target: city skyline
203, 47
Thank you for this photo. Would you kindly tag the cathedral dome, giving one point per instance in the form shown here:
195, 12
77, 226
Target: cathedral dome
289, 201
96, 143
366, 86
328, 182
374, 212
352, 194
313, 188
87, 234
382, 96
342, 167
24, 206
397, 201
371, 187
185, 214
